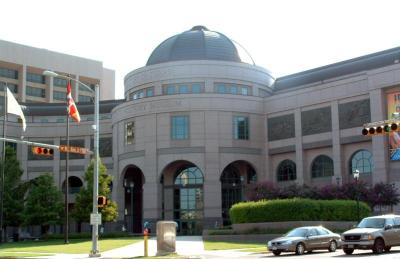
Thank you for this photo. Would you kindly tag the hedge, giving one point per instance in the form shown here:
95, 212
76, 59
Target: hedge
297, 210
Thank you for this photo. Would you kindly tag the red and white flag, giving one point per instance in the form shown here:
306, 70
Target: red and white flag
72, 110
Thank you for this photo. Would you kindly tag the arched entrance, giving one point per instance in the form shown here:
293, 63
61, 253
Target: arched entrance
233, 179
133, 201
183, 196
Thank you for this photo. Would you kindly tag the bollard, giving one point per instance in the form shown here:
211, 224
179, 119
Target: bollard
146, 247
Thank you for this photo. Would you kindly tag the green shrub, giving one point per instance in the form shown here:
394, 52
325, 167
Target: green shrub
85, 235
297, 210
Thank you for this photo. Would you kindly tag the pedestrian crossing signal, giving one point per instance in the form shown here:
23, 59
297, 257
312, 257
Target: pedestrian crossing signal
42, 151
101, 201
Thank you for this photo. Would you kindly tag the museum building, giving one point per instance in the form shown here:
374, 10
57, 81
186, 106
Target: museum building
201, 122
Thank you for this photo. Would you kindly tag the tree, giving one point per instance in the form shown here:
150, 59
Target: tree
44, 205
14, 190
84, 199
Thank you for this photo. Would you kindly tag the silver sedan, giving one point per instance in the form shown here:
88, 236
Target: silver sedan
304, 239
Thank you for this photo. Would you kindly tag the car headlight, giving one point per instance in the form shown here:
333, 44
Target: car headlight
367, 237
269, 243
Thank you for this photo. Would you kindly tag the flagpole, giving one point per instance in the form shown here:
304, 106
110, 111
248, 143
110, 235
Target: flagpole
66, 211
3, 166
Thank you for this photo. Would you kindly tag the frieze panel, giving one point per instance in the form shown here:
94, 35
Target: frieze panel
354, 114
316, 121
281, 127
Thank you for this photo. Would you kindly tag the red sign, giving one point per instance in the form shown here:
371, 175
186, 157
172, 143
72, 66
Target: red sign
70, 149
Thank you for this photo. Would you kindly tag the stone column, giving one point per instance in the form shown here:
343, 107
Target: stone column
209, 86
299, 147
50, 88
379, 144
75, 89
336, 148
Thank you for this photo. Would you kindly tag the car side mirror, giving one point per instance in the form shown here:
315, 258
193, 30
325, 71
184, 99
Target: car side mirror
388, 227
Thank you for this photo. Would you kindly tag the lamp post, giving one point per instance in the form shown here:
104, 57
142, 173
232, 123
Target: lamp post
95, 228
356, 175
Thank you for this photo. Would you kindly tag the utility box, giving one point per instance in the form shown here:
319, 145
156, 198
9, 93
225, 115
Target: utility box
166, 237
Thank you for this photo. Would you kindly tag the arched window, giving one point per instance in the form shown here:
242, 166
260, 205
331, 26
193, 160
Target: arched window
361, 160
322, 166
287, 171
190, 175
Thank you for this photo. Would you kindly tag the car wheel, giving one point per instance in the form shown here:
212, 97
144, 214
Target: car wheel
379, 246
387, 248
332, 246
348, 251
276, 252
300, 248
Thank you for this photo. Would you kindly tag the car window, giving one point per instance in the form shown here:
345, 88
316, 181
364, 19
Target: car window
397, 222
372, 223
313, 232
389, 221
322, 231
297, 232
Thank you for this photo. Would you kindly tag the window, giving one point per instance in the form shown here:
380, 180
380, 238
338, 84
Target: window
362, 161
286, 171
61, 96
196, 88
183, 89
241, 127
180, 127
245, 90
60, 82
322, 166
234, 89
170, 89
221, 88
85, 98
322, 231
129, 132
9, 73
60, 120
34, 91
149, 92
137, 95
13, 87
35, 78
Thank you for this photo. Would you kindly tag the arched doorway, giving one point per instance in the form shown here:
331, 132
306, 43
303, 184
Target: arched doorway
233, 179
133, 201
75, 185
183, 196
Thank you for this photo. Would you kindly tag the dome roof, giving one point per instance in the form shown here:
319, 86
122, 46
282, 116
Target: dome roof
197, 44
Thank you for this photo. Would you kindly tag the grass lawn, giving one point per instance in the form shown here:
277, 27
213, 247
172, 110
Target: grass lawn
211, 245
76, 246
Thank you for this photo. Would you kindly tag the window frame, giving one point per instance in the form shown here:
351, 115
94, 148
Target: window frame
174, 129
236, 128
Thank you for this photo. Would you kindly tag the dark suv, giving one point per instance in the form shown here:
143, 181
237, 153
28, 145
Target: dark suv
378, 233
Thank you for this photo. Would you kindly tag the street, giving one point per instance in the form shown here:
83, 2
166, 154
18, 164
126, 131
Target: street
358, 254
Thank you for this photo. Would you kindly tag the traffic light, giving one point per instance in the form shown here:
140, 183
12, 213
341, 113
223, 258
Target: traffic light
101, 201
42, 151
378, 129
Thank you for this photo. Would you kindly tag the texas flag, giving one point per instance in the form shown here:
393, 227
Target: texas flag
72, 110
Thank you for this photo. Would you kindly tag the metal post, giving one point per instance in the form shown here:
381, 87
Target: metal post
95, 227
4, 164
66, 181
358, 201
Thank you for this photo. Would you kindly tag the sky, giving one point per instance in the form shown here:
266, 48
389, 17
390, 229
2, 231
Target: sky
284, 36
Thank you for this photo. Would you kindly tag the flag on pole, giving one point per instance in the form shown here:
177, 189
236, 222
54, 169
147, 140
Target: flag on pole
72, 110
14, 108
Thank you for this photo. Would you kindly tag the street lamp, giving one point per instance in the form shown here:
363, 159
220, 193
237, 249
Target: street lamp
356, 175
95, 228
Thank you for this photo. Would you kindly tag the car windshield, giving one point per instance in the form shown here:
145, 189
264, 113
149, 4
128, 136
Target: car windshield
372, 223
297, 232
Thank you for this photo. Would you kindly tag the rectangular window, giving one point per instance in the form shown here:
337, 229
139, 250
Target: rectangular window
244, 90
234, 89
61, 96
129, 132
60, 82
180, 127
170, 89
196, 88
149, 92
35, 78
9, 73
85, 98
221, 88
241, 127
34, 91
13, 87
183, 89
